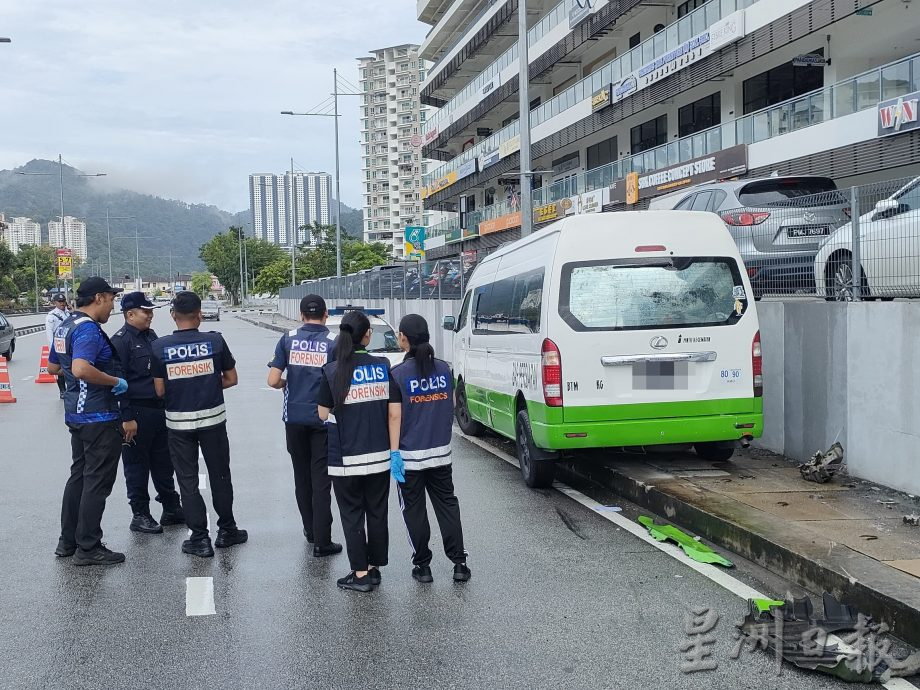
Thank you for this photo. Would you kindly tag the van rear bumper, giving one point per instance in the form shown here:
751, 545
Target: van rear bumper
646, 432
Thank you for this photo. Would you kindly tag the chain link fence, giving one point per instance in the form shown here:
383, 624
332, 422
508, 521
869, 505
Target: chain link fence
799, 236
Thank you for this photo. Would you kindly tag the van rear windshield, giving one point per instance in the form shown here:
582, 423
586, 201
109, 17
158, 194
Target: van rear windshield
788, 191
641, 294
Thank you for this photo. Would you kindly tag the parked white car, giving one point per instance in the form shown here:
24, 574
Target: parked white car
889, 251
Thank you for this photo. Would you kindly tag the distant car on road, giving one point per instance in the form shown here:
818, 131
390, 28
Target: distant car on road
383, 339
7, 338
210, 310
889, 251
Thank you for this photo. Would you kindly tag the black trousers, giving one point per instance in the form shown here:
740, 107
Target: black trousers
363, 499
312, 484
95, 449
149, 457
439, 483
215, 447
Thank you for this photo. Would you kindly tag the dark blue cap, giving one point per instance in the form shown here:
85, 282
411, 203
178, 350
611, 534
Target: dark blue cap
135, 300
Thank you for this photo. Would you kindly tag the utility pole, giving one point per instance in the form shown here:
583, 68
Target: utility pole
239, 237
338, 195
63, 228
35, 268
293, 226
524, 121
108, 239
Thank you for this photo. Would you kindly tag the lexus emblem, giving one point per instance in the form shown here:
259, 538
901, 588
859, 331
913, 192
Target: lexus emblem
659, 342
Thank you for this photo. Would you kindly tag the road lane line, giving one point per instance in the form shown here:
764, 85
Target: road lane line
26, 378
711, 572
199, 596
202, 482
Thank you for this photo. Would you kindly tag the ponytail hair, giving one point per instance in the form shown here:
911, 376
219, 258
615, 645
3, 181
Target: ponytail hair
415, 328
352, 330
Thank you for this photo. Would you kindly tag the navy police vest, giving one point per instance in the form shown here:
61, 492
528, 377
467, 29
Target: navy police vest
85, 403
303, 352
427, 414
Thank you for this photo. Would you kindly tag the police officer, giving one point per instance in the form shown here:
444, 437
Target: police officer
55, 318
363, 446
303, 352
192, 369
425, 387
148, 455
84, 355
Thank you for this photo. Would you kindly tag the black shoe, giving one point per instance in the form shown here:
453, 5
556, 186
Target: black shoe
198, 547
172, 515
355, 583
230, 537
375, 577
65, 549
462, 573
99, 555
144, 522
331, 550
308, 536
422, 573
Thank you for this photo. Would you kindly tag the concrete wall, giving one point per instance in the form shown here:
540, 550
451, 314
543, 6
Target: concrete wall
832, 372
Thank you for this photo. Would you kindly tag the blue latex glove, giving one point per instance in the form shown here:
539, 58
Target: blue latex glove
397, 468
120, 387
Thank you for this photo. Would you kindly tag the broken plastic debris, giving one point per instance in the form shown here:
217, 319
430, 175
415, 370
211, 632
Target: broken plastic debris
912, 520
766, 604
823, 466
696, 550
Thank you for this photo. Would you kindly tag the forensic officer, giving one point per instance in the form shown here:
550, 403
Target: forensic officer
192, 369
148, 455
55, 318
84, 355
363, 447
425, 387
302, 353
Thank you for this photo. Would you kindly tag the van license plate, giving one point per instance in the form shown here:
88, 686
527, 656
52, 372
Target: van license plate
661, 376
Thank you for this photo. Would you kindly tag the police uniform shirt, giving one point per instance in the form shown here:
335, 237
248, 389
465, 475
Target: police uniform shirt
191, 364
79, 337
359, 436
427, 414
134, 348
303, 352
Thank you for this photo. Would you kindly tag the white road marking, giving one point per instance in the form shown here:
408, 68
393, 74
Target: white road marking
713, 573
202, 482
26, 378
199, 596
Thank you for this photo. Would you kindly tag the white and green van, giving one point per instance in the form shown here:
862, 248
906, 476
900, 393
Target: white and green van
611, 330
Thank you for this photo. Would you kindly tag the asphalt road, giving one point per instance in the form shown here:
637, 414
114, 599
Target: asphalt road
560, 597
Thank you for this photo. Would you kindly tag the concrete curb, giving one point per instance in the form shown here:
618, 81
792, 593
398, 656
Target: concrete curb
26, 330
875, 589
270, 326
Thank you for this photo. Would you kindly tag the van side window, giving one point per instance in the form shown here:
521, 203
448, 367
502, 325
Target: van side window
510, 305
464, 310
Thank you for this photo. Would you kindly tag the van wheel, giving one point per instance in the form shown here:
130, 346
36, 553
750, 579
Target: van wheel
465, 421
538, 472
716, 451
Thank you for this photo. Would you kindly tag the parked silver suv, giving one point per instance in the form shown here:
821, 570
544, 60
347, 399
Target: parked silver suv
778, 224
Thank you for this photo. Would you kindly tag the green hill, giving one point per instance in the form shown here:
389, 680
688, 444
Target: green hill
165, 226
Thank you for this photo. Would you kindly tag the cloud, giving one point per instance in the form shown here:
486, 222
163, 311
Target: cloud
182, 99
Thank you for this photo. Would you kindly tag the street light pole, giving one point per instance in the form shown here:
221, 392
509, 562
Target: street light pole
524, 121
291, 210
239, 236
338, 195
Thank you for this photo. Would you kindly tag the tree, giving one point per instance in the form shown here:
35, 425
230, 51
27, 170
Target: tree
32, 259
278, 275
221, 254
201, 284
356, 255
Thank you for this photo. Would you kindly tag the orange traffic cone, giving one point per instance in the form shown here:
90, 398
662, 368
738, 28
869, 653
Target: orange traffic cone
43, 375
6, 388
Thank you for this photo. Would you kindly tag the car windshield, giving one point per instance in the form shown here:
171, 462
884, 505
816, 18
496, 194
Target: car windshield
209, 305
634, 294
791, 191
383, 339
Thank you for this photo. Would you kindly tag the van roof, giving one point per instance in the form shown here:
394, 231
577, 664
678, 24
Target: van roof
678, 230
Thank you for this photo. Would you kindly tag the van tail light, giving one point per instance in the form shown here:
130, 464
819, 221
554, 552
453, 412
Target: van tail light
757, 361
745, 218
551, 365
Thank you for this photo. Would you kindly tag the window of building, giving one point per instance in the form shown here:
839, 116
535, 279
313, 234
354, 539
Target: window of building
635, 40
688, 6
780, 84
700, 115
602, 153
649, 134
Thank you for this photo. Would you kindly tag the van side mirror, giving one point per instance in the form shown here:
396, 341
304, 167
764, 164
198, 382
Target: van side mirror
449, 323
886, 208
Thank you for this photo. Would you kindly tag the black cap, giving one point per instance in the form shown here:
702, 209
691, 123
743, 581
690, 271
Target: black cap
415, 328
186, 302
93, 286
313, 306
59, 297
135, 300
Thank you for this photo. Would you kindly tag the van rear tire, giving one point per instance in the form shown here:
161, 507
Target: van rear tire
538, 472
465, 421
715, 451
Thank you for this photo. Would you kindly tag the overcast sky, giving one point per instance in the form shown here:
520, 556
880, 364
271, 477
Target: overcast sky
181, 98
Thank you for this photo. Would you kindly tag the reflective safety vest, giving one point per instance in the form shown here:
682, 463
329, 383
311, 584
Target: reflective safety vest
427, 414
